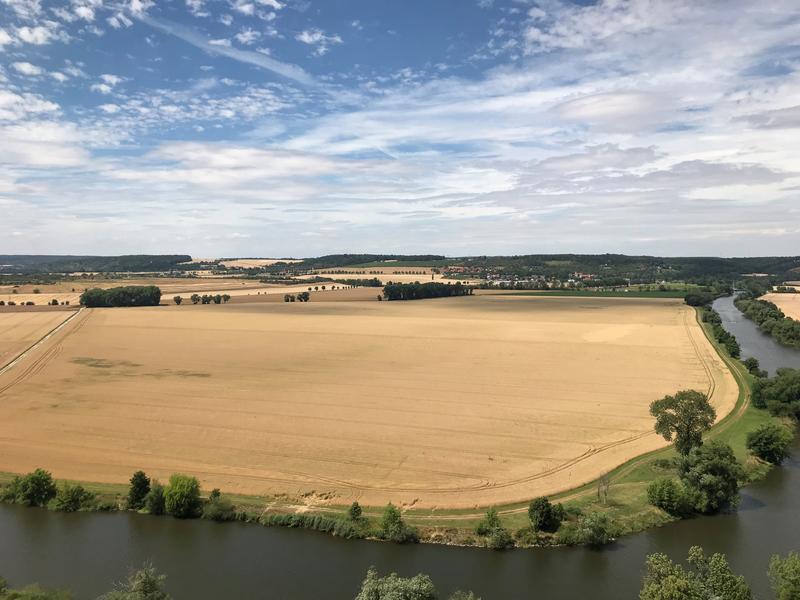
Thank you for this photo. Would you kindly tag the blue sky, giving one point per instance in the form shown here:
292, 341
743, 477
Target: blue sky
305, 127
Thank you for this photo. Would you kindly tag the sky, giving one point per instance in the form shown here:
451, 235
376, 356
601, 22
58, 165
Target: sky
459, 127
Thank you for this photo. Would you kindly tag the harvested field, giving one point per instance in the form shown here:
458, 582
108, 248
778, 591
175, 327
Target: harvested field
20, 329
788, 303
252, 263
442, 403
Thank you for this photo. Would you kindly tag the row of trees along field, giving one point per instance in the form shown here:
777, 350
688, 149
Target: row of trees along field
419, 291
133, 295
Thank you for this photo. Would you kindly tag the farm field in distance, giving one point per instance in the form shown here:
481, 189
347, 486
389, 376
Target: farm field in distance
788, 303
442, 403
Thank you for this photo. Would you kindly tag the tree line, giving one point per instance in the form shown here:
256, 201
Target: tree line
131, 295
419, 291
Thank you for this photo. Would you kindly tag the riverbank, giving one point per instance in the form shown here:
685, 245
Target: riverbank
625, 500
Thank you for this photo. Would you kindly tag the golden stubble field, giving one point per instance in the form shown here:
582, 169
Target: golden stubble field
441, 403
20, 330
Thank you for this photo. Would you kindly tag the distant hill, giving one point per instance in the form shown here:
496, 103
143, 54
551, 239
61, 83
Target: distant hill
35, 263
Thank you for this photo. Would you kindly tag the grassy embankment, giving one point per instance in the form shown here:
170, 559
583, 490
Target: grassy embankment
626, 503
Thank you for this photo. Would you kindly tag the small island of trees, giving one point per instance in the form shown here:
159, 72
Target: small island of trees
131, 295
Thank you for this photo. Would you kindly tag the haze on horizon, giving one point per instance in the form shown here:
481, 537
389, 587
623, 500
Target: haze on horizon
459, 127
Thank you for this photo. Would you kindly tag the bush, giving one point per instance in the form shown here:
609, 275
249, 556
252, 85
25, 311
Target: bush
182, 497
219, 509
669, 495
140, 487
770, 442
34, 489
144, 584
72, 498
354, 512
594, 529
711, 475
154, 501
497, 536
544, 515
394, 529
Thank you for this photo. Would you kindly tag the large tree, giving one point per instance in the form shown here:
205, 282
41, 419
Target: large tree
711, 475
683, 417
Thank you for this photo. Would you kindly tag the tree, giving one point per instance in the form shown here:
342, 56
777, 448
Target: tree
138, 490
779, 394
154, 502
711, 474
544, 515
72, 498
707, 578
195, 298
770, 442
226, 298
144, 584
177, 300
684, 416
34, 489
784, 575
354, 512
182, 496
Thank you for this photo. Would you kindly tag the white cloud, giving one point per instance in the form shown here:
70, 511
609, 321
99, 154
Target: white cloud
102, 88
27, 68
38, 35
25, 9
222, 42
247, 36
58, 76
111, 80
109, 108
318, 38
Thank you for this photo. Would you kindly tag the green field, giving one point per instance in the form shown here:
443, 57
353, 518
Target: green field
600, 294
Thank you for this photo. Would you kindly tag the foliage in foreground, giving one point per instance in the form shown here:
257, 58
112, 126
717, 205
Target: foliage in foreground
706, 578
144, 584
394, 587
34, 489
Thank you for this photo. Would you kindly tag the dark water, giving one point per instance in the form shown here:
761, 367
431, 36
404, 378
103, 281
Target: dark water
770, 354
87, 552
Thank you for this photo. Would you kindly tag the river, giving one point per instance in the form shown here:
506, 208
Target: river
87, 552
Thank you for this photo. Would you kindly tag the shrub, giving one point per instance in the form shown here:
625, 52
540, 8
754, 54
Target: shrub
219, 509
72, 498
669, 495
34, 489
497, 536
154, 501
182, 497
140, 487
594, 529
393, 527
711, 474
544, 515
354, 512
337, 527
770, 442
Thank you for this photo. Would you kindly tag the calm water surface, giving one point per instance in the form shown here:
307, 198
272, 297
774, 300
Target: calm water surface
87, 552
